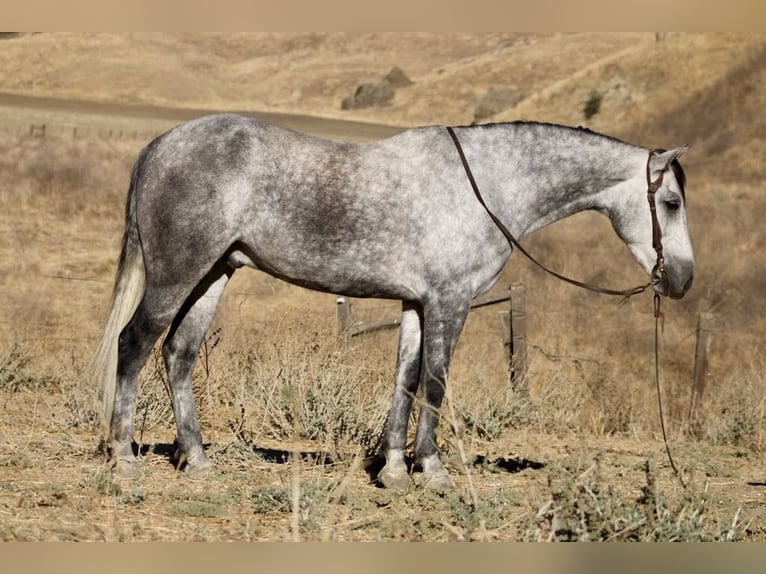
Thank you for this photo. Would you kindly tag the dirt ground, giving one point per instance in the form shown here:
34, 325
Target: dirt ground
54, 487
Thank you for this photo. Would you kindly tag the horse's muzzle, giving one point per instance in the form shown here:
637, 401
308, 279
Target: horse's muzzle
673, 285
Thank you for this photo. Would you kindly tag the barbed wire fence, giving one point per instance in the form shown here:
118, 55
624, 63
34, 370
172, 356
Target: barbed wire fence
66, 130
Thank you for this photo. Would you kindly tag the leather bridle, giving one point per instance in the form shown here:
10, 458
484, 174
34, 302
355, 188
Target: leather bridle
658, 272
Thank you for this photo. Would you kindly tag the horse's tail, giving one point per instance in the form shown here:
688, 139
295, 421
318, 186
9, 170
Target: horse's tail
126, 295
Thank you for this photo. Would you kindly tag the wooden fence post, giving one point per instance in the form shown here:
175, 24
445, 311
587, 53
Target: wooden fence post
513, 324
699, 377
343, 314
519, 379
506, 330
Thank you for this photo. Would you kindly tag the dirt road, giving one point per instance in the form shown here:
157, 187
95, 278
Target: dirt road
327, 127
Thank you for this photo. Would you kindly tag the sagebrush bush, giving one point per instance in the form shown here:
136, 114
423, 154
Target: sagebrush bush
586, 508
738, 417
15, 372
310, 390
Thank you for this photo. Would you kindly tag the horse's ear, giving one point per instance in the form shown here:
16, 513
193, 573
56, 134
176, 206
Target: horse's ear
661, 161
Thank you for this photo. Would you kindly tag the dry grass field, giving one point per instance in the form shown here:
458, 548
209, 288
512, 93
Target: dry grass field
290, 414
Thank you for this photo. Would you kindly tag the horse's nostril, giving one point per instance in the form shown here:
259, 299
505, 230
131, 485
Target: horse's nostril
688, 284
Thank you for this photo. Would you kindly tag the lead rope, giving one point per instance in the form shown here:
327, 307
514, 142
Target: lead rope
657, 272
659, 325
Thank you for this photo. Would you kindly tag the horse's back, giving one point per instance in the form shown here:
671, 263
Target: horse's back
372, 219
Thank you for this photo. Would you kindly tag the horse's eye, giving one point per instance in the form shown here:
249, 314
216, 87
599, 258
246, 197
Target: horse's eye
673, 204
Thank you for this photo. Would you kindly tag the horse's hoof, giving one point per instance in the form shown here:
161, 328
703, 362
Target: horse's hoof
440, 482
126, 469
436, 477
395, 479
198, 469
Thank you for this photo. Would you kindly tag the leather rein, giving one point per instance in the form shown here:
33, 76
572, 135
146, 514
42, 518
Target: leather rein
652, 187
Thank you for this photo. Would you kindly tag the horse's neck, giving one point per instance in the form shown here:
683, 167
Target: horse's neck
540, 174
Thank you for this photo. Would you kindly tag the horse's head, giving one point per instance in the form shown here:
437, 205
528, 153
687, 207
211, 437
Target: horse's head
634, 224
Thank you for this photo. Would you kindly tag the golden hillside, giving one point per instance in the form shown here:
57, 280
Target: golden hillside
706, 89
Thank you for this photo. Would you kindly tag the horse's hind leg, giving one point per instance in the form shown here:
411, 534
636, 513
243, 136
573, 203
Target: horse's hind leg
394, 473
180, 350
136, 340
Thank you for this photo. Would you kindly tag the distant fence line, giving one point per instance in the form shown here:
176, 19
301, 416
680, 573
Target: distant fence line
42, 130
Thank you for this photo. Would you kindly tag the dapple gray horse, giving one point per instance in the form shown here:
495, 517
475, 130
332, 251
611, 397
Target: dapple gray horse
393, 219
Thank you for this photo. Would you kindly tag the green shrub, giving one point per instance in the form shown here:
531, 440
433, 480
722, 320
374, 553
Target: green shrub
593, 105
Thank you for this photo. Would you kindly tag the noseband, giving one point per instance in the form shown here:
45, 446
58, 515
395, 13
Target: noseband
652, 186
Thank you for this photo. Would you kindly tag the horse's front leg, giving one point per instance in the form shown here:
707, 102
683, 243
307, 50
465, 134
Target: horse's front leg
442, 327
394, 474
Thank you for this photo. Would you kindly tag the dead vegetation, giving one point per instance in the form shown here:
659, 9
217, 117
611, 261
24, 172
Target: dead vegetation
292, 417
